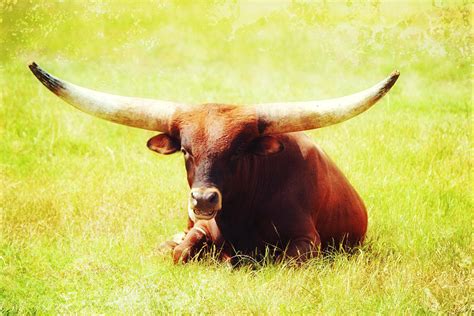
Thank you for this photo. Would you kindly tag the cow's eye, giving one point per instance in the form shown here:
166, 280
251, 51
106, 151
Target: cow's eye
186, 153
237, 154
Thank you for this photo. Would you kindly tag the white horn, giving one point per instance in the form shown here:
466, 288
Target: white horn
275, 118
148, 114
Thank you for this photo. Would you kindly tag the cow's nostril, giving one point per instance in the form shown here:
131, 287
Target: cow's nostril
212, 197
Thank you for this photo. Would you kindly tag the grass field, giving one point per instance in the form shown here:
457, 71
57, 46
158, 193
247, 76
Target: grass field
84, 204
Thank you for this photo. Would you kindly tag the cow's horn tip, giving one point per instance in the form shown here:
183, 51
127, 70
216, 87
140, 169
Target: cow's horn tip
390, 81
32, 65
36, 70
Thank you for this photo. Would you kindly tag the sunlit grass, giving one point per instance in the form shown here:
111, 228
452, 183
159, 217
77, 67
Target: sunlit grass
84, 204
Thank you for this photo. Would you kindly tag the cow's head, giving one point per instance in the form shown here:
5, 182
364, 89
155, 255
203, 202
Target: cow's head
215, 139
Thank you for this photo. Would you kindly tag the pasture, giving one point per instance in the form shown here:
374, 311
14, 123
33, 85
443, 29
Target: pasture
84, 204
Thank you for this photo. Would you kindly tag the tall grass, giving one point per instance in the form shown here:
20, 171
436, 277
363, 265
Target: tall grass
84, 204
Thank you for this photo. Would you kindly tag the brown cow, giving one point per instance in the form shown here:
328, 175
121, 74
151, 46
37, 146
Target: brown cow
256, 180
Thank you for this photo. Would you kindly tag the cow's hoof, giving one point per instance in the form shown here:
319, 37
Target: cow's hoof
169, 245
178, 237
181, 254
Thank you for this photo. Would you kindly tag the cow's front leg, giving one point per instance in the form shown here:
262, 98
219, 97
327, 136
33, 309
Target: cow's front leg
191, 244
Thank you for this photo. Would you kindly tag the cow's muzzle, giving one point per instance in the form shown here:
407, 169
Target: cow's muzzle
205, 202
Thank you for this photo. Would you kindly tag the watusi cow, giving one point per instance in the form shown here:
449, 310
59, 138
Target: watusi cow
255, 179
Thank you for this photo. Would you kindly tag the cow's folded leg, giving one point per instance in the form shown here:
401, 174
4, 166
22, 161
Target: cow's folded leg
191, 244
300, 250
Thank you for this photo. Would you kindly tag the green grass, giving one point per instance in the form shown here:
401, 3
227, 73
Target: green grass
84, 204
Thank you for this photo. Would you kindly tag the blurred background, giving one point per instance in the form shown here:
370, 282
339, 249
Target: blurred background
231, 51
83, 203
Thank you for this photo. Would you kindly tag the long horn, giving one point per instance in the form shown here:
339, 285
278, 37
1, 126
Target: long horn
275, 118
148, 114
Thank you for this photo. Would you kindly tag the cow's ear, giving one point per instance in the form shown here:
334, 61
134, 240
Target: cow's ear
163, 144
266, 145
